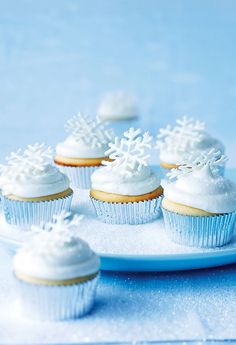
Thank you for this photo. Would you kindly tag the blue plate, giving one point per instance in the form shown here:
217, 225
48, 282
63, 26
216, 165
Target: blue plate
171, 262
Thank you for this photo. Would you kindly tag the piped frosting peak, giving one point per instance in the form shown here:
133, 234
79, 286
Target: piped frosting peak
129, 154
92, 132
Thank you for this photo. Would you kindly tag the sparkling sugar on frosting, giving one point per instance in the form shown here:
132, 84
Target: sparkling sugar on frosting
183, 136
92, 132
129, 154
198, 184
56, 251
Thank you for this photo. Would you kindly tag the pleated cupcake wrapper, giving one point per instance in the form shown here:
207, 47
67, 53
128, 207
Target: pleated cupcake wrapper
200, 231
27, 213
55, 303
80, 177
128, 213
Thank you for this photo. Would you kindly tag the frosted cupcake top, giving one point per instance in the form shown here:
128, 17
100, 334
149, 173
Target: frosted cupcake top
30, 174
118, 106
57, 252
187, 135
128, 173
88, 138
197, 184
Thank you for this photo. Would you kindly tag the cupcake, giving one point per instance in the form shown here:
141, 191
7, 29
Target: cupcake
56, 272
120, 109
83, 150
32, 188
125, 190
199, 205
187, 136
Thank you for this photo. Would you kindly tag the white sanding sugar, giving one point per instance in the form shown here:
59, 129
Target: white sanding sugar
145, 239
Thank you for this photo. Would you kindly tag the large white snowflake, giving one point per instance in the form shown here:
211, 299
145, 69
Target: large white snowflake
30, 162
91, 131
196, 161
52, 236
183, 136
129, 154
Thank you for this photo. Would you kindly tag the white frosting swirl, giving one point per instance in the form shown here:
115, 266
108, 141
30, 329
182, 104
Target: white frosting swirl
203, 190
109, 180
47, 182
73, 148
55, 256
174, 156
118, 106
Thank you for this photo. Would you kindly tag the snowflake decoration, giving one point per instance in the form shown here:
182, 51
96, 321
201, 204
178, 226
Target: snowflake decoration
91, 131
30, 162
52, 236
196, 161
129, 154
184, 135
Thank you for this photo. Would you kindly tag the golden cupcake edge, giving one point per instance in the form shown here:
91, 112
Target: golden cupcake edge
63, 194
183, 209
118, 198
39, 281
79, 162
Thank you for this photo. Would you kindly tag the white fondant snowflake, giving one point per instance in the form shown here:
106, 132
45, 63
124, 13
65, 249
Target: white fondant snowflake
60, 232
91, 131
196, 161
183, 136
129, 153
32, 161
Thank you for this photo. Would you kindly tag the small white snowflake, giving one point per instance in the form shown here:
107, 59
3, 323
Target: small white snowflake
196, 161
52, 236
91, 131
129, 153
183, 136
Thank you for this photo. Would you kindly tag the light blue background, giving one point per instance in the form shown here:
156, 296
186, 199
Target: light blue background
59, 57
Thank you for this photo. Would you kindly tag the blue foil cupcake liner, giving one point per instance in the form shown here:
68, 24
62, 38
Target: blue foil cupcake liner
55, 303
27, 213
200, 231
80, 177
132, 213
